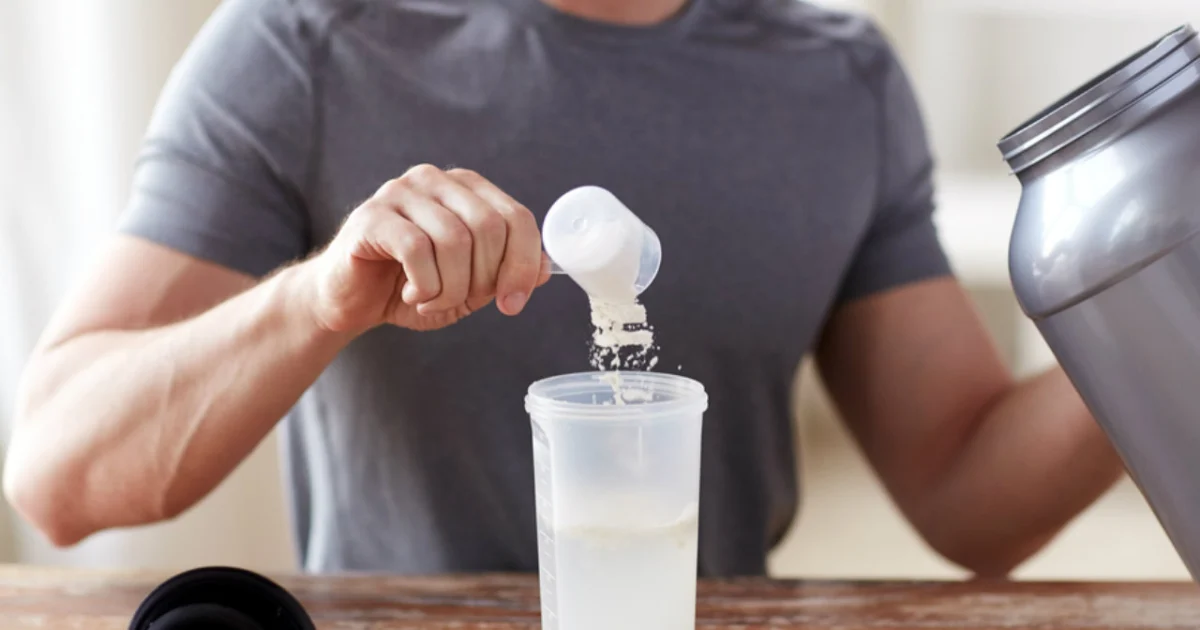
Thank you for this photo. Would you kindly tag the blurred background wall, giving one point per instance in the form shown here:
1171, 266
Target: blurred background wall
78, 79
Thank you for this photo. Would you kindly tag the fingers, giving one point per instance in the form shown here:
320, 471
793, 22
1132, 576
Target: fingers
484, 243
489, 232
450, 237
520, 267
386, 234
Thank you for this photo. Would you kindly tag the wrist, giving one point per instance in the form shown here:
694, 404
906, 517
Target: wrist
300, 297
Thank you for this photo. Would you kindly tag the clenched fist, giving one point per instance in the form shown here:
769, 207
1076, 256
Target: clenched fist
428, 249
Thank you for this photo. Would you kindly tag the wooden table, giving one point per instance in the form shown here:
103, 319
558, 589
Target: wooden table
55, 599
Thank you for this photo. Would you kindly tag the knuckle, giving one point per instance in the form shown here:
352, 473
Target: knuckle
458, 236
423, 173
413, 244
465, 174
373, 209
520, 217
394, 188
360, 219
492, 226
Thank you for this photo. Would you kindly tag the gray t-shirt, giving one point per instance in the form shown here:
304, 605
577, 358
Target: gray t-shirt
776, 148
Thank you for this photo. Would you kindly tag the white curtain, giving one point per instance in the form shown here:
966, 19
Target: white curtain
78, 80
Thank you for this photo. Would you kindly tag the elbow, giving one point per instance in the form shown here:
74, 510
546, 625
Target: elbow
37, 505
986, 555
51, 500
59, 493
982, 561
36, 483
63, 484
43, 493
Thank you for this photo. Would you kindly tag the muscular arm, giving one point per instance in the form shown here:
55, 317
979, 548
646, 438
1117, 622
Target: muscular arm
987, 469
163, 371
143, 395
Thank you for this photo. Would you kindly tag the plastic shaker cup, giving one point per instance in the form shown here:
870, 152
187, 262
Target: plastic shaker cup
618, 489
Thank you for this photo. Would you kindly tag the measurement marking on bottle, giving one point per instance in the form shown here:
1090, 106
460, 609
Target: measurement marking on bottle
547, 560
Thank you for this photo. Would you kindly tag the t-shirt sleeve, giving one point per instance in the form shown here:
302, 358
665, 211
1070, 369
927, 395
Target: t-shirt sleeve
901, 243
221, 171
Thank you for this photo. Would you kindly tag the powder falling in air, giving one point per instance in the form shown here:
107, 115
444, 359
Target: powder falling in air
623, 340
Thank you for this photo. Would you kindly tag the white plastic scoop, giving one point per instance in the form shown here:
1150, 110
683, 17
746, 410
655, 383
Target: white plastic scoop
592, 237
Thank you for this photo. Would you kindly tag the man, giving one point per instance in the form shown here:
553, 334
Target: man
777, 150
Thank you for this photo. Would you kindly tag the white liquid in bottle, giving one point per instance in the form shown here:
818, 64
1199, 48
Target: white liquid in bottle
630, 575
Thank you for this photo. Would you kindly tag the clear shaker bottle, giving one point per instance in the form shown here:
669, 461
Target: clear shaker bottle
618, 488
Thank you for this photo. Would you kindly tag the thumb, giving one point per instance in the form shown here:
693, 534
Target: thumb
544, 275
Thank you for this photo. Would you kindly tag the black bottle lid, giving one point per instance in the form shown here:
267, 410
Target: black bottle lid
220, 598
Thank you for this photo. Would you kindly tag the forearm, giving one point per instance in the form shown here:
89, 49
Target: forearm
121, 428
1035, 460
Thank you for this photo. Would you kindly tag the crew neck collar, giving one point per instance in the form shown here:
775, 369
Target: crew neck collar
542, 13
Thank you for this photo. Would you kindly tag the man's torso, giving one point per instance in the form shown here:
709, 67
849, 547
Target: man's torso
742, 134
